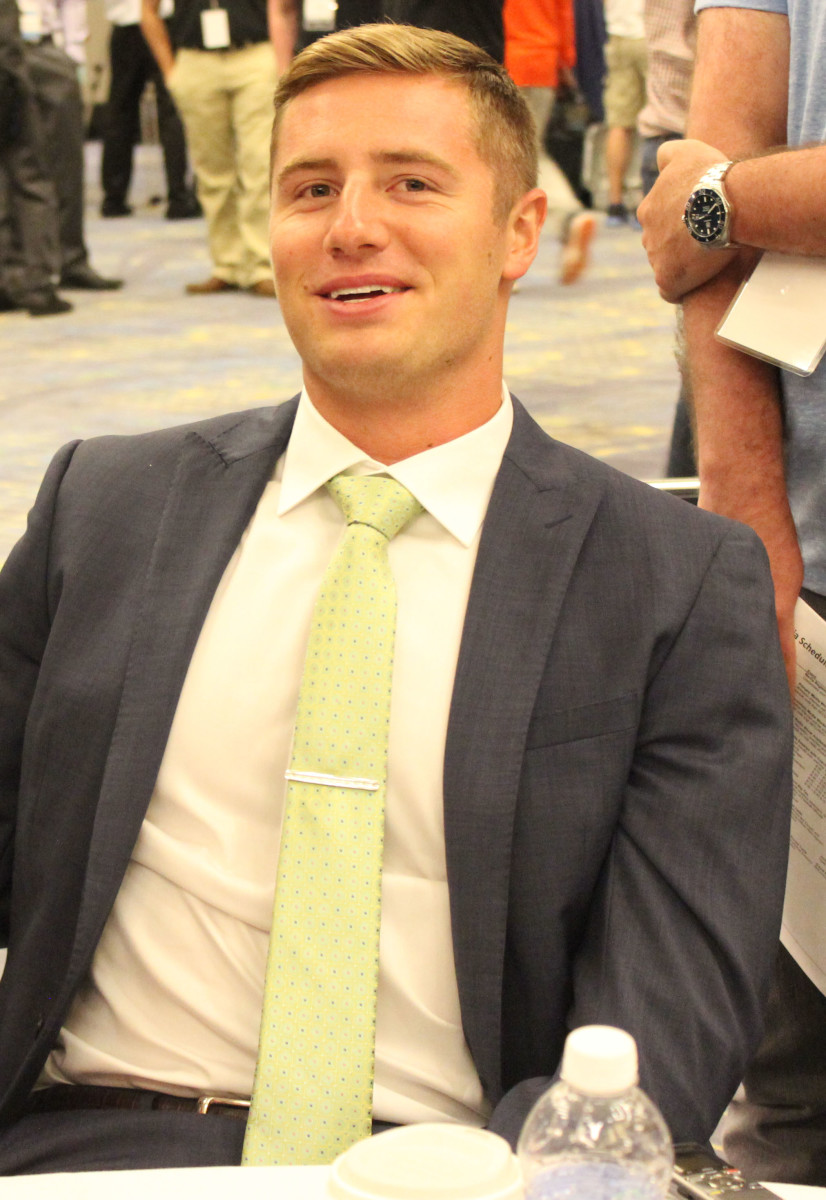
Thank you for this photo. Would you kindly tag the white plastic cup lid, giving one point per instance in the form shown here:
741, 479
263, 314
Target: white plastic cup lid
427, 1162
600, 1060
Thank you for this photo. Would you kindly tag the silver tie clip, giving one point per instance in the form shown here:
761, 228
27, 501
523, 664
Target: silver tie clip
341, 781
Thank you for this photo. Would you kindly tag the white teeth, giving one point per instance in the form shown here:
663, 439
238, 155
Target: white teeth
367, 290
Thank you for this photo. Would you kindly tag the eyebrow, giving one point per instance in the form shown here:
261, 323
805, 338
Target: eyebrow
409, 157
401, 157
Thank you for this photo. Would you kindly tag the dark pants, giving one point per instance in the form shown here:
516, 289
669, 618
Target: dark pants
29, 245
133, 67
122, 1140
54, 83
114, 1140
681, 461
648, 159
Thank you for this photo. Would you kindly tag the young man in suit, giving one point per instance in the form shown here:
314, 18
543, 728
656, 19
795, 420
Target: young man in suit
586, 792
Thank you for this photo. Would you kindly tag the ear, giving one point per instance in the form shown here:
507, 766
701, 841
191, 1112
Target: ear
524, 227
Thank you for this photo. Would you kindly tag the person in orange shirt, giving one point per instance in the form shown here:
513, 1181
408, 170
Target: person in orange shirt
540, 57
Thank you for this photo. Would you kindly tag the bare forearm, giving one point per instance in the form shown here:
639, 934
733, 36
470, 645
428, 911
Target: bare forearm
735, 397
737, 413
738, 101
157, 37
282, 19
779, 201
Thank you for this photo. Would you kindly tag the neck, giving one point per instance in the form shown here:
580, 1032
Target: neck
390, 426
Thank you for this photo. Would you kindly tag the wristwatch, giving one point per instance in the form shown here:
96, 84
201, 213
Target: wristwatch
707, 213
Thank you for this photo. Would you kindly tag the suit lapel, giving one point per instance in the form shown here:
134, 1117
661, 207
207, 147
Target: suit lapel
540, 511
212, 497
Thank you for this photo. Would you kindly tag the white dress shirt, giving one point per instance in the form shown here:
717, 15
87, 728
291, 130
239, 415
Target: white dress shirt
64, 21
175, 993
128, 12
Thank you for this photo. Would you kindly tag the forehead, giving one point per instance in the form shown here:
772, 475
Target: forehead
379, 112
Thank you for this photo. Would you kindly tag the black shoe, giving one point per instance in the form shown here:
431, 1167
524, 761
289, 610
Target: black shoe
6, 302
45, 303
87, 279
183, 208
115, 208
617, 215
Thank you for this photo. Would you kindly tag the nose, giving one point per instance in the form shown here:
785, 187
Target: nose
357, 222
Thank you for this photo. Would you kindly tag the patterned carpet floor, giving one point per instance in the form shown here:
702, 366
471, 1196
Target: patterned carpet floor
593, 362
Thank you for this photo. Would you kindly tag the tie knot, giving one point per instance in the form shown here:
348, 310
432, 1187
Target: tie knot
374, 500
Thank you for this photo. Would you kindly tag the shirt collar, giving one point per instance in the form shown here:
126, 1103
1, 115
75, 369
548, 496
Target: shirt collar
453, 482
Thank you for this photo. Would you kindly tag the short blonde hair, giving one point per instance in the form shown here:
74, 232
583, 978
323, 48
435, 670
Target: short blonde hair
505, 130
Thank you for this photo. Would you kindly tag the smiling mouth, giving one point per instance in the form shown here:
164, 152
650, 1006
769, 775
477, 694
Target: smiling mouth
358, 295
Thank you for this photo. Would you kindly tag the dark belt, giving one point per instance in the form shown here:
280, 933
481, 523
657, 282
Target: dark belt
63, 1096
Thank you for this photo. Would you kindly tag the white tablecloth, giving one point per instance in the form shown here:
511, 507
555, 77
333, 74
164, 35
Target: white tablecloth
186, 1183
796, 1191
220, 1183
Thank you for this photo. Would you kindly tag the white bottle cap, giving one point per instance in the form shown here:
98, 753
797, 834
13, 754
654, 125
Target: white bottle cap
600, 1060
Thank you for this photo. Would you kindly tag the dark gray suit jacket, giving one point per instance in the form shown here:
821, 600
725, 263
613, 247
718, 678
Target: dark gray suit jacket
617, 771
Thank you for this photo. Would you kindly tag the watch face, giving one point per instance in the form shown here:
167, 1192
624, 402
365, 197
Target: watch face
706, 215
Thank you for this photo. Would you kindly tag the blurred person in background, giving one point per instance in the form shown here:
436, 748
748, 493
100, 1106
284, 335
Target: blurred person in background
477, 21
671, 42
41, 178
54, 35
539, 56
29, 251
625, 58
671, 39
221, 65
133, 66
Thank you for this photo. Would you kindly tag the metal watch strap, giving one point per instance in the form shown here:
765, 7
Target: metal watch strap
715, 174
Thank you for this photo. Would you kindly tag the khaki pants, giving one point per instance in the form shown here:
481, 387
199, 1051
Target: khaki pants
626, 60
225, 101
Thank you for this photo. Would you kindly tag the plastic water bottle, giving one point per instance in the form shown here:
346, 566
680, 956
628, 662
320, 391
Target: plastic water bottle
594, 1135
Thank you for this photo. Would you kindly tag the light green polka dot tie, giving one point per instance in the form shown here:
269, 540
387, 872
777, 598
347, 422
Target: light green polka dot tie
313, 1091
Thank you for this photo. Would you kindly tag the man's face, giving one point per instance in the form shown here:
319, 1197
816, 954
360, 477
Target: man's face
391, 270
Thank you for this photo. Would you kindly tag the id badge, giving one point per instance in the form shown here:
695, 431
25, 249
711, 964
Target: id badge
215, 28
319, 16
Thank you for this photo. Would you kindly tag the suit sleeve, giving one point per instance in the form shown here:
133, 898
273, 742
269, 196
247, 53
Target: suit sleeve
25, 607
683, 925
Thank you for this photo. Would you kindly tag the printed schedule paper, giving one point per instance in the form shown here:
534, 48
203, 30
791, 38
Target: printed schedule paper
804, 913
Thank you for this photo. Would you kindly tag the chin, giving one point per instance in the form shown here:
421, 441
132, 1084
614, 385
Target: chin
367, 374
348, 360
